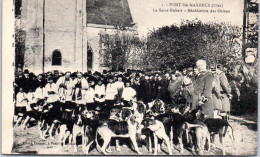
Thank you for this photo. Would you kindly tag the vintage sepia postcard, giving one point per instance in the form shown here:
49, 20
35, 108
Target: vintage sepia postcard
130, 77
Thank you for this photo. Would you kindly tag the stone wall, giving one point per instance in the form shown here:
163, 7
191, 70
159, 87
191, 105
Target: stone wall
65, 30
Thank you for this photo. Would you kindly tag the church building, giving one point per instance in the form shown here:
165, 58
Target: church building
64, 34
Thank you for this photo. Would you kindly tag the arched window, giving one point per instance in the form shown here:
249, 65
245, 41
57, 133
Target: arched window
56, 58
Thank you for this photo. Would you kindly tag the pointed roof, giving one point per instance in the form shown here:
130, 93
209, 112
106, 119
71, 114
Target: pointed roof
109, 12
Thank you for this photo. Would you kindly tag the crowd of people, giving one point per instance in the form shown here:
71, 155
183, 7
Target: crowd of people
207, 84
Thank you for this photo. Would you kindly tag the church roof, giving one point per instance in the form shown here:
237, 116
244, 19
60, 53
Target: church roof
109, 12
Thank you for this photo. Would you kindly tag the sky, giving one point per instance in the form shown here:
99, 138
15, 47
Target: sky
143, 12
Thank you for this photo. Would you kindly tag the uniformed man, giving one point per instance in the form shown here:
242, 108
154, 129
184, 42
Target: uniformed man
225, 91
203, 89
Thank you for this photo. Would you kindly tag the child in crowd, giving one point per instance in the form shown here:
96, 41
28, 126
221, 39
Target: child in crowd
100, 93
129, 94
111, 93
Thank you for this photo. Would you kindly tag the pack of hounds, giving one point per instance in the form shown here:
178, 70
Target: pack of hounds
152, 124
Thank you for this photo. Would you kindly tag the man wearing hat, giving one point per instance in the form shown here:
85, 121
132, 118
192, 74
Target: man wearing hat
39, 81
105, 75
146, 90
27, 81
163, 93
174, 88
56, 76
216, 95
225, 91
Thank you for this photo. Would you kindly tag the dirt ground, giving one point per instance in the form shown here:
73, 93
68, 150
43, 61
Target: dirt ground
245, 131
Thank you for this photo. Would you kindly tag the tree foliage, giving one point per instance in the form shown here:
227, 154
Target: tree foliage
179, 47
123, 49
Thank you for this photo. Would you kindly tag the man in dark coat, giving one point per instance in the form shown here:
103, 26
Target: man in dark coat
174, 88
27, 82
147, 90
163, 93
137, 87
203, 89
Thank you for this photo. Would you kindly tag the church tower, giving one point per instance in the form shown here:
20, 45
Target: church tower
56, 31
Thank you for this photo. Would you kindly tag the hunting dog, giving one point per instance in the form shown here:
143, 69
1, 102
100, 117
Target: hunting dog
111, 129
200, 135
220, 127
158, 130
177, 122
93, 120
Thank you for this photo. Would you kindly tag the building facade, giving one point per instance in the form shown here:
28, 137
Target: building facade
58, 36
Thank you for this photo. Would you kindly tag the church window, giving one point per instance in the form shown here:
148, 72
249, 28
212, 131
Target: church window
56, 58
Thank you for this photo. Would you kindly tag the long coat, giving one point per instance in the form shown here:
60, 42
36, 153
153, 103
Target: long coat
163, 93
216, 96
203, 87
225, 89
147, 92
174, 89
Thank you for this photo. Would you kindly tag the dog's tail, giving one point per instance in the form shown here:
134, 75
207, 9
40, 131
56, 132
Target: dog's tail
225, 132
96, 140
209, 142
188, 125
